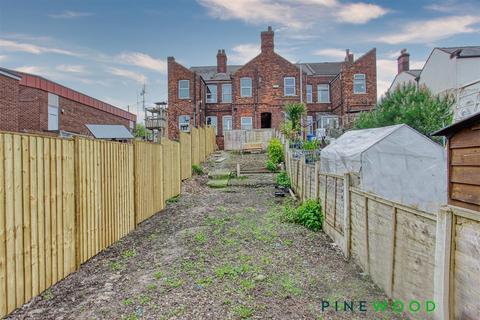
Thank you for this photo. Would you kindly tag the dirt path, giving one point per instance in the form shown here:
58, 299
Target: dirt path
212, 254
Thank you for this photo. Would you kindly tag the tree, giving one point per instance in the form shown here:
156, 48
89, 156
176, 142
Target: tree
139, 131
294, 112
416, 107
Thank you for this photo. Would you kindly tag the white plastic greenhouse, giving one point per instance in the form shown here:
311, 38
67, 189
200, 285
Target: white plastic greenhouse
395, 162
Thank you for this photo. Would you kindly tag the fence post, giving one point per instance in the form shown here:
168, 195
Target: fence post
316, 181
346, 214
443, 252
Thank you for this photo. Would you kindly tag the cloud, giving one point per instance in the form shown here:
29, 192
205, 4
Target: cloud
243, 53
10, 45
387, 70
132, 75
71, 68
144, 60
432, 30
67, 14
360, 13
331, 53
298, 15
3, 58
31, 69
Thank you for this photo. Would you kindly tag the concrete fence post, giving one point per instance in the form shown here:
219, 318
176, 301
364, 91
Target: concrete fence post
443, 252
346, 215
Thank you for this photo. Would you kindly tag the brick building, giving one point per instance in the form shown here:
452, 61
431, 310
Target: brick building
252, 95
30, 103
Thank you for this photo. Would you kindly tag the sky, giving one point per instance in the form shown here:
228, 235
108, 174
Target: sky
108, 49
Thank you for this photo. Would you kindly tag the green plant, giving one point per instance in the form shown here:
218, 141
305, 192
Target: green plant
416, 107
283, 180
196, 169
128, 253
294, 112
308, 214
173, 199
275, 151
243, 312
271, 166
311, 145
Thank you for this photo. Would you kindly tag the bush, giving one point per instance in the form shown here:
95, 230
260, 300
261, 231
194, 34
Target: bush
196, 169
308, 214
275, 151
271, 166
311, 145
283, 180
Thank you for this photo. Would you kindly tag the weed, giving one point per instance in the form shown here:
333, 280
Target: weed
173, 282
250, 209
308, 214
116, 266
247, 284
289, 286
158, 275
132, 316
174, 199
271, 166
128, 302
205, 282
222, 209
130, 253
196, 169
152, 287
200, 238
283, 180
243, 312
47, 295
144, 300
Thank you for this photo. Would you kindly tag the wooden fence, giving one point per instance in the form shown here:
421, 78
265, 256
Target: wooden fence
63, 201
409, 253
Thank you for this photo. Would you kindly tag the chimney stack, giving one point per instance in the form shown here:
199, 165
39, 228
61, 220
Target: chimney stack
403, 61
221, 61
267, 40
348, 56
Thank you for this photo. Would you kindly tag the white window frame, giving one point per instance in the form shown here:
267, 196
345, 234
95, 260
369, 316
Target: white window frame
309, 90
245, 87
213, 123
323, 87
185, 122
212, 96
310, 125
184, 89
289, 86
227, 128
224, 100
326, 121
360, 79
53, 123
245, 126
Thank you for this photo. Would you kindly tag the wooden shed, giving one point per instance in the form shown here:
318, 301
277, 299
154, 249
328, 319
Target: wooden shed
463, 162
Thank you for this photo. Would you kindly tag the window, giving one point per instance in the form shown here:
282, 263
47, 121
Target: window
323, 92
309, 93
359, 83
227, 123
226, 93
309, 125
184, 89
328, 122
245, 87
289, 86
52, 112
184, 123
212, 121
212, 93
246, 123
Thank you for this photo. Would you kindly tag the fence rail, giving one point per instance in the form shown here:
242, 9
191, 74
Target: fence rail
63, 201
409, 253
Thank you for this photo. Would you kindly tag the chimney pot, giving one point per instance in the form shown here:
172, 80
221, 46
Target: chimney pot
348, 56
403, 61
267, 40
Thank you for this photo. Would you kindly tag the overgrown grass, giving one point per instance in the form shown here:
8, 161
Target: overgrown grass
196, 169
308, 214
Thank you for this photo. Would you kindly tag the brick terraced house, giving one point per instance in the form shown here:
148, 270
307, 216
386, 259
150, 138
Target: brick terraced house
30, 103
252, 95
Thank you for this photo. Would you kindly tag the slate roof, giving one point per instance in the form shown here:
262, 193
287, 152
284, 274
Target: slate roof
210, 72
322, 68
463, 52
415, 72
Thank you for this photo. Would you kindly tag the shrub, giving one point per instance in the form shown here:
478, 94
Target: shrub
196, 169
275, 151
308, 214
271, 166
283, 180
311, 145
294, 112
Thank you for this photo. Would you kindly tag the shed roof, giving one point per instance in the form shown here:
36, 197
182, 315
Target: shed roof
109, 131
454, 128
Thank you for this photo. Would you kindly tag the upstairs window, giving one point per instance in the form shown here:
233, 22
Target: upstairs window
359, 83
245, 87
184, 123
226, 93
184, 89
52, 112
212, 93
289, 86
309, 93
323, 93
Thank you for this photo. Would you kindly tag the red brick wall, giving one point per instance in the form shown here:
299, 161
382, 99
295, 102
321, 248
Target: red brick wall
8, 101
315, 106
73, 115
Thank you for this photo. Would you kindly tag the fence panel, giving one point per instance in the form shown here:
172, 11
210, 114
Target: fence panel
202, 153
36, 216
105, 197
186, 155
148, 180
195, 146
